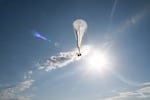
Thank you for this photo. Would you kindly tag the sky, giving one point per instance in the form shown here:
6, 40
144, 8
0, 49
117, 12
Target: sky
38, 52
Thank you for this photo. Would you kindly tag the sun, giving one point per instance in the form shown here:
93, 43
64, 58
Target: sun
97, 61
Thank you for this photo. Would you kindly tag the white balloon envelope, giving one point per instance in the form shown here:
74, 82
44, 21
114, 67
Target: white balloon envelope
80, 28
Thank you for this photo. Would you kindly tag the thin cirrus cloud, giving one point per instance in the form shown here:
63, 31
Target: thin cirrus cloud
123, 26
13, 92
141, 93
112, 14
134, 19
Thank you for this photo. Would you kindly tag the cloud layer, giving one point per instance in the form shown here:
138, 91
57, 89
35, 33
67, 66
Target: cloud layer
13, 92
142, 93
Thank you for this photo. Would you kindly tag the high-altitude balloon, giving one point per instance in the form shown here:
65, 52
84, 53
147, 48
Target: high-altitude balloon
80, 27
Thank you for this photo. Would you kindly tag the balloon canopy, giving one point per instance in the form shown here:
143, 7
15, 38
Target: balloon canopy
80, 27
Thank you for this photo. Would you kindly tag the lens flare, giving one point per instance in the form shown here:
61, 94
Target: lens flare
38, 35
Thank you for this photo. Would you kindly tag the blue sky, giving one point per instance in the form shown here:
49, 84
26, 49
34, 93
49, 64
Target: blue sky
49, 69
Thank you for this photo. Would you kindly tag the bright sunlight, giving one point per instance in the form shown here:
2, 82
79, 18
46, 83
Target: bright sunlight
97, 60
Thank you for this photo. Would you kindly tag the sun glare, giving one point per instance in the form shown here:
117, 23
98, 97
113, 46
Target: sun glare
97, 61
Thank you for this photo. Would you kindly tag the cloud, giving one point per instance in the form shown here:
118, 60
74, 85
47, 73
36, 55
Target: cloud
24, 85
13, 92
123, 26
134, 19
28, 75
113, 9
139, 15
62, 59
145, 84
142, 93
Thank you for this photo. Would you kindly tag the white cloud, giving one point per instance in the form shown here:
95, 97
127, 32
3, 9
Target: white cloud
24, 85
62, 59
145, 84
139, 15
113, 9
142, 93
28, 75
144, 90
13, 92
